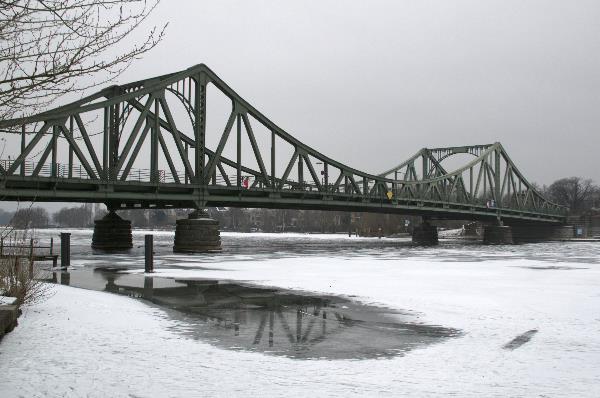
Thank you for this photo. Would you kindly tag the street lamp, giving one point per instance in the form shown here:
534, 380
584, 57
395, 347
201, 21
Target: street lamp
322, 172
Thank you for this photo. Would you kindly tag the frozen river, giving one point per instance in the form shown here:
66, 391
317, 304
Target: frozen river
313, 315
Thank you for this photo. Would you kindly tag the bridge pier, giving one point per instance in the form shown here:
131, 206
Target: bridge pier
425, 235
197, 234
497, 235
112, 233
531, 233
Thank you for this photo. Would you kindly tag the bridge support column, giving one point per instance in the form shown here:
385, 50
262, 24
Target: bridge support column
497, 235
112, 233
197, 234
531, 233
425, 234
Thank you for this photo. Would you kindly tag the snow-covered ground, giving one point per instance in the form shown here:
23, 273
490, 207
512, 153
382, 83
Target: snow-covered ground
88, 343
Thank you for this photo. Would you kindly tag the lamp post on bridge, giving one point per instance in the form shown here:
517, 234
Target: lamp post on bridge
322, 172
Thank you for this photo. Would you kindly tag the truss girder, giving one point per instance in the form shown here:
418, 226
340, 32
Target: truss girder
131, 116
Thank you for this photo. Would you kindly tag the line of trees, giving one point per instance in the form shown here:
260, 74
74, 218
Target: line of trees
32, 217
580, 195
73, 217
315, 221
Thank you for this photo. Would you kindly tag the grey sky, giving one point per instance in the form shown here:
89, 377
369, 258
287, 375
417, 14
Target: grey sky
371, 82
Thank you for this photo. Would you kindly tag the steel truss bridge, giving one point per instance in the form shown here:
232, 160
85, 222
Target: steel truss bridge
147, 144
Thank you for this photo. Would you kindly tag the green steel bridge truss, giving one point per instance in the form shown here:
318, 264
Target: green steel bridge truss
117, 139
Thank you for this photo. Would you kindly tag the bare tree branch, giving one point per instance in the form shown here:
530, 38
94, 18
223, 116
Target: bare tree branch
46, 46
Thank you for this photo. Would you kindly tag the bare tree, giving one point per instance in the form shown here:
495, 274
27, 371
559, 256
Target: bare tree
31, 217
19, 276
76, 217
19, 280
575, 192
46, 46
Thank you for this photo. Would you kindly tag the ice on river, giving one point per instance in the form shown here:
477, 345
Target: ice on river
89, 343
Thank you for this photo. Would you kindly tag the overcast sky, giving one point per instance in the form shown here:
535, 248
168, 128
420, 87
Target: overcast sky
371, 82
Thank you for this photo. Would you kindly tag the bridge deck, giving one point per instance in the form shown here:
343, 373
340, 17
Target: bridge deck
140, 194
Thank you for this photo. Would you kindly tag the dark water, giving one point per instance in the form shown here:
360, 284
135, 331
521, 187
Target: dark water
269, 320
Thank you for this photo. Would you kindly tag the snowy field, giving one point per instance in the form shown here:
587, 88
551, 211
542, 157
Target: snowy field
89, 343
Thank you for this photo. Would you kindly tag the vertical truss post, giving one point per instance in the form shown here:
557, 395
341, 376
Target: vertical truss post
154, 143
116, 132
300, 171
497, 187
471, 183
484, 165
325, 178
239, 149
22, 169
186, 150
425, 166
105, 143
71, 148
200, 127
273, 159
111, 143
114, 141
54, 165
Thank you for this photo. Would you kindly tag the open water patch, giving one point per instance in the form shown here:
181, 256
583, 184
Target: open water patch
520, 340
550, 267
244, 317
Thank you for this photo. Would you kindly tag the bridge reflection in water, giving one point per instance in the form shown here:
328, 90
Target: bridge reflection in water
268, 320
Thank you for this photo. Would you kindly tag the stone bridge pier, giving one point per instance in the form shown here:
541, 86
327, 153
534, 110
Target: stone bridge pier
197, 234
497, 234
112, 233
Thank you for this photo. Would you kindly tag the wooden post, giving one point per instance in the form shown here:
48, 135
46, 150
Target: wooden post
148, 253
31, 258
1, 246
65, 278
65, 249
51, 246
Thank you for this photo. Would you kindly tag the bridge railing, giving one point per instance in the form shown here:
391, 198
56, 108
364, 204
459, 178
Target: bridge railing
77, 171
